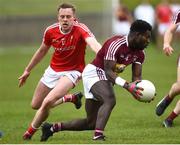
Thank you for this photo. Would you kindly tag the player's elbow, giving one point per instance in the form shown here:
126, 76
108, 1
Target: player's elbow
108, 76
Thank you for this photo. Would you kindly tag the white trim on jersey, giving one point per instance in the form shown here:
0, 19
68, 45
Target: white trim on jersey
84, 27
176, 17
113, 48
138, 62
63, 32
51, 26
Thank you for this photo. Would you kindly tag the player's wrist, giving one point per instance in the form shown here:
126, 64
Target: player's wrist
27, 70
120, 81
126, 85
166, 45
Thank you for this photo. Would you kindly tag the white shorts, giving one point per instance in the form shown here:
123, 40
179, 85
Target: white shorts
50, 77
90, 76
163, 27
121, 28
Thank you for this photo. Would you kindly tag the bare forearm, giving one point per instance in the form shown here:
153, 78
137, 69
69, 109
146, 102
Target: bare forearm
96, 47
169, 34
94, 44
37, 57
168, 38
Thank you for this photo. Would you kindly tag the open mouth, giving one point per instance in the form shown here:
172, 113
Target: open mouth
65, 24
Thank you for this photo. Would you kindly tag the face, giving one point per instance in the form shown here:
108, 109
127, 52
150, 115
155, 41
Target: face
66, 19
139, 41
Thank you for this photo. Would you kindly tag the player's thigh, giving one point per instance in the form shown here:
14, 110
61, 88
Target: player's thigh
40, 93
62, 88
103, 91
92, 108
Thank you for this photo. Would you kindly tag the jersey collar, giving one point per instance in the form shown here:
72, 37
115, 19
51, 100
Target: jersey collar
63, 32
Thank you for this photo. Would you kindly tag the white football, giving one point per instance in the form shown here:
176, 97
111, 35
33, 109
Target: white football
149, 91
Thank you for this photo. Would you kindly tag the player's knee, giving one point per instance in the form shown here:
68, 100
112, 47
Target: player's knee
35, 106
176, 87
47, 103
35, 103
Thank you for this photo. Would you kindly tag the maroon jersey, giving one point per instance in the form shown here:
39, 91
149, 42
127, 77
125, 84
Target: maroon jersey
177, 18
116, 49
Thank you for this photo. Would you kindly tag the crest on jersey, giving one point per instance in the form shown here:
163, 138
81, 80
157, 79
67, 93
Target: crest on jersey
63, 41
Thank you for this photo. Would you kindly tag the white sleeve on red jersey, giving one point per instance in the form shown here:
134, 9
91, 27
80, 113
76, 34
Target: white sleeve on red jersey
84, 30
47, 35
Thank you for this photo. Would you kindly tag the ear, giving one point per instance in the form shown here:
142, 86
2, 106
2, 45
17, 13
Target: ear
74, 17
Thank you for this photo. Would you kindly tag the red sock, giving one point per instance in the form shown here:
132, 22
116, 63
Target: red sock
31, 130
69, 98
57, 127
172, 116
98, 132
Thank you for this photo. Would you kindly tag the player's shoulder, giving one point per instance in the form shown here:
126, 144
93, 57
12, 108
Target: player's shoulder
53, 26
116, 42
117, 39
79, 25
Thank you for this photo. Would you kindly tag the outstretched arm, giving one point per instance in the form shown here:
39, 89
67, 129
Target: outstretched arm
168, 50
93, 43
37, 57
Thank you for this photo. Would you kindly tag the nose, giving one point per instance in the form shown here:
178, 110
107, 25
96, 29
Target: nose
65, 18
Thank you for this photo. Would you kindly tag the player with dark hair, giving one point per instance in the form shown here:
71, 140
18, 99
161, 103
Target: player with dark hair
101, 74
175, 88
69, 39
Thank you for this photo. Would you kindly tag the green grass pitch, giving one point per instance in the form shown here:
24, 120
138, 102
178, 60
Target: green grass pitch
130, 122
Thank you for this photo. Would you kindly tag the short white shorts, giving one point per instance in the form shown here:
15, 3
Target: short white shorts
90, 76
121, 28
50, 77
163, 27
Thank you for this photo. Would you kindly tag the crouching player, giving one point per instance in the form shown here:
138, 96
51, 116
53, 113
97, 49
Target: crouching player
99, 77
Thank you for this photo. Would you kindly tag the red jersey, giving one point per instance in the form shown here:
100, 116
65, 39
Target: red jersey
164, 13
176, 19
69, 48
116, 49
